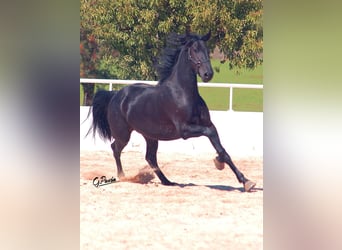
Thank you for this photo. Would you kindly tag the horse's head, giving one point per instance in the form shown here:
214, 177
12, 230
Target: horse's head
199, 57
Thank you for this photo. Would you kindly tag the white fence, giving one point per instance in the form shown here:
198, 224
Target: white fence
231, 86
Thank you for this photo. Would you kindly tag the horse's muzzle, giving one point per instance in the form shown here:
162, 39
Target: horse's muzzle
207, 76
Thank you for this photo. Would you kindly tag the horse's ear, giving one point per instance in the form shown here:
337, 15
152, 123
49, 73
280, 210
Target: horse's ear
187, 35
187, 32
189, 44
206, 37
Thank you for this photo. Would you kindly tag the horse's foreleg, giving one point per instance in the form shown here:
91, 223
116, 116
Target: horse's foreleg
223, 156
151, 158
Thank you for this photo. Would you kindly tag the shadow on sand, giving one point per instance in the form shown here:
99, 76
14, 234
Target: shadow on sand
218, 187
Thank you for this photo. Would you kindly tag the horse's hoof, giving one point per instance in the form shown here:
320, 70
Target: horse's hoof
218, 165
248, 185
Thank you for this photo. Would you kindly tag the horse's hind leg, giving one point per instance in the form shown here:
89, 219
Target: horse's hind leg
117, 147
151, 158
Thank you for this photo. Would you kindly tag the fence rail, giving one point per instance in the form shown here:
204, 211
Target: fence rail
231, 86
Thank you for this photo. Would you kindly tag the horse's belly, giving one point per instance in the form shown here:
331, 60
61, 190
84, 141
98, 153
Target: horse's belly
160, 132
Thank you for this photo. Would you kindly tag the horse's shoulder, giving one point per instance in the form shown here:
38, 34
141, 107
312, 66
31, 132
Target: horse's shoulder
200, 112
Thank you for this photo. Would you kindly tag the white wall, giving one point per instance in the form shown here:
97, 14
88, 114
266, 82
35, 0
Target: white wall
241, 134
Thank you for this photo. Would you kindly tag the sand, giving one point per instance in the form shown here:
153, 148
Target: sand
208, 209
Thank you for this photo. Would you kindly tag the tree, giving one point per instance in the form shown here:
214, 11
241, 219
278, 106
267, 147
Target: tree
88, 63
131, 33
92, 56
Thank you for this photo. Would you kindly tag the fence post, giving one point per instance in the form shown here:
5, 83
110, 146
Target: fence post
230, 98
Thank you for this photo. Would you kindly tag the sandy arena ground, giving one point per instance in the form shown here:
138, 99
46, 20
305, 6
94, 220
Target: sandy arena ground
207, 210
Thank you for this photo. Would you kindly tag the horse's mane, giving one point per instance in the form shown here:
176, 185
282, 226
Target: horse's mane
169, 55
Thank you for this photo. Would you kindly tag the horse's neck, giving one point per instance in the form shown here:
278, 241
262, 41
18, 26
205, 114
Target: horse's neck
184, 76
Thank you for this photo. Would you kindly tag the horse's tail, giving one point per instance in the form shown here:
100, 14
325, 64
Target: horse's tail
99, 110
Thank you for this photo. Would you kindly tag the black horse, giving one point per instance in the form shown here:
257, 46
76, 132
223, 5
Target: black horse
170, 110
